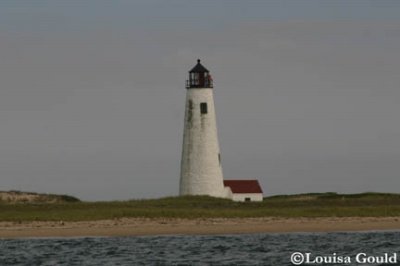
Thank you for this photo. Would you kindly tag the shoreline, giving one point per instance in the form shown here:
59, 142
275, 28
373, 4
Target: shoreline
206, 226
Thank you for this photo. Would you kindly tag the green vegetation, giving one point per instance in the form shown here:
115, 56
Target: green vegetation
304, 205
15, 196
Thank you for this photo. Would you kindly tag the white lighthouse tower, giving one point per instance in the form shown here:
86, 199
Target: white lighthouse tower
201, 171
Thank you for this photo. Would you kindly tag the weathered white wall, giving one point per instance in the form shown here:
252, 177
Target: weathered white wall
201, 171
243, 196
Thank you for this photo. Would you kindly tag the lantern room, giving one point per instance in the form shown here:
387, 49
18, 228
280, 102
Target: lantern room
199, 77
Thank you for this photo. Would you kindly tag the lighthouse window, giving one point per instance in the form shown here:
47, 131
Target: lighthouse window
203, 108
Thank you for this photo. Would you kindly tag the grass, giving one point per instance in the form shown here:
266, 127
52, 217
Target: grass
303, 205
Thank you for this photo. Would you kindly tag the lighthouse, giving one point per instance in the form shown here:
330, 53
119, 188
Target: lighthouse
201, 171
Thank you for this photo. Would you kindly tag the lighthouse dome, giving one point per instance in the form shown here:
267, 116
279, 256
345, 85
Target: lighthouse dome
199, 68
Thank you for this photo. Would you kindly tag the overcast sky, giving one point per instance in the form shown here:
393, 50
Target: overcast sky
92, 94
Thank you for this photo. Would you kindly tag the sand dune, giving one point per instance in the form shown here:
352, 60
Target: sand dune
32, 197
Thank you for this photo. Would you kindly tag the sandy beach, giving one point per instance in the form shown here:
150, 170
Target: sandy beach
142, 227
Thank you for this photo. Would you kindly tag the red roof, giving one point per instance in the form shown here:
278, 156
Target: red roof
243, 186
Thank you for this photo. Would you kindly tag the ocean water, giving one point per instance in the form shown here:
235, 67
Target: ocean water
249, 249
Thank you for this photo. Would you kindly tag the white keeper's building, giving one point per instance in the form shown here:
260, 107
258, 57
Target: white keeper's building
201, 170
